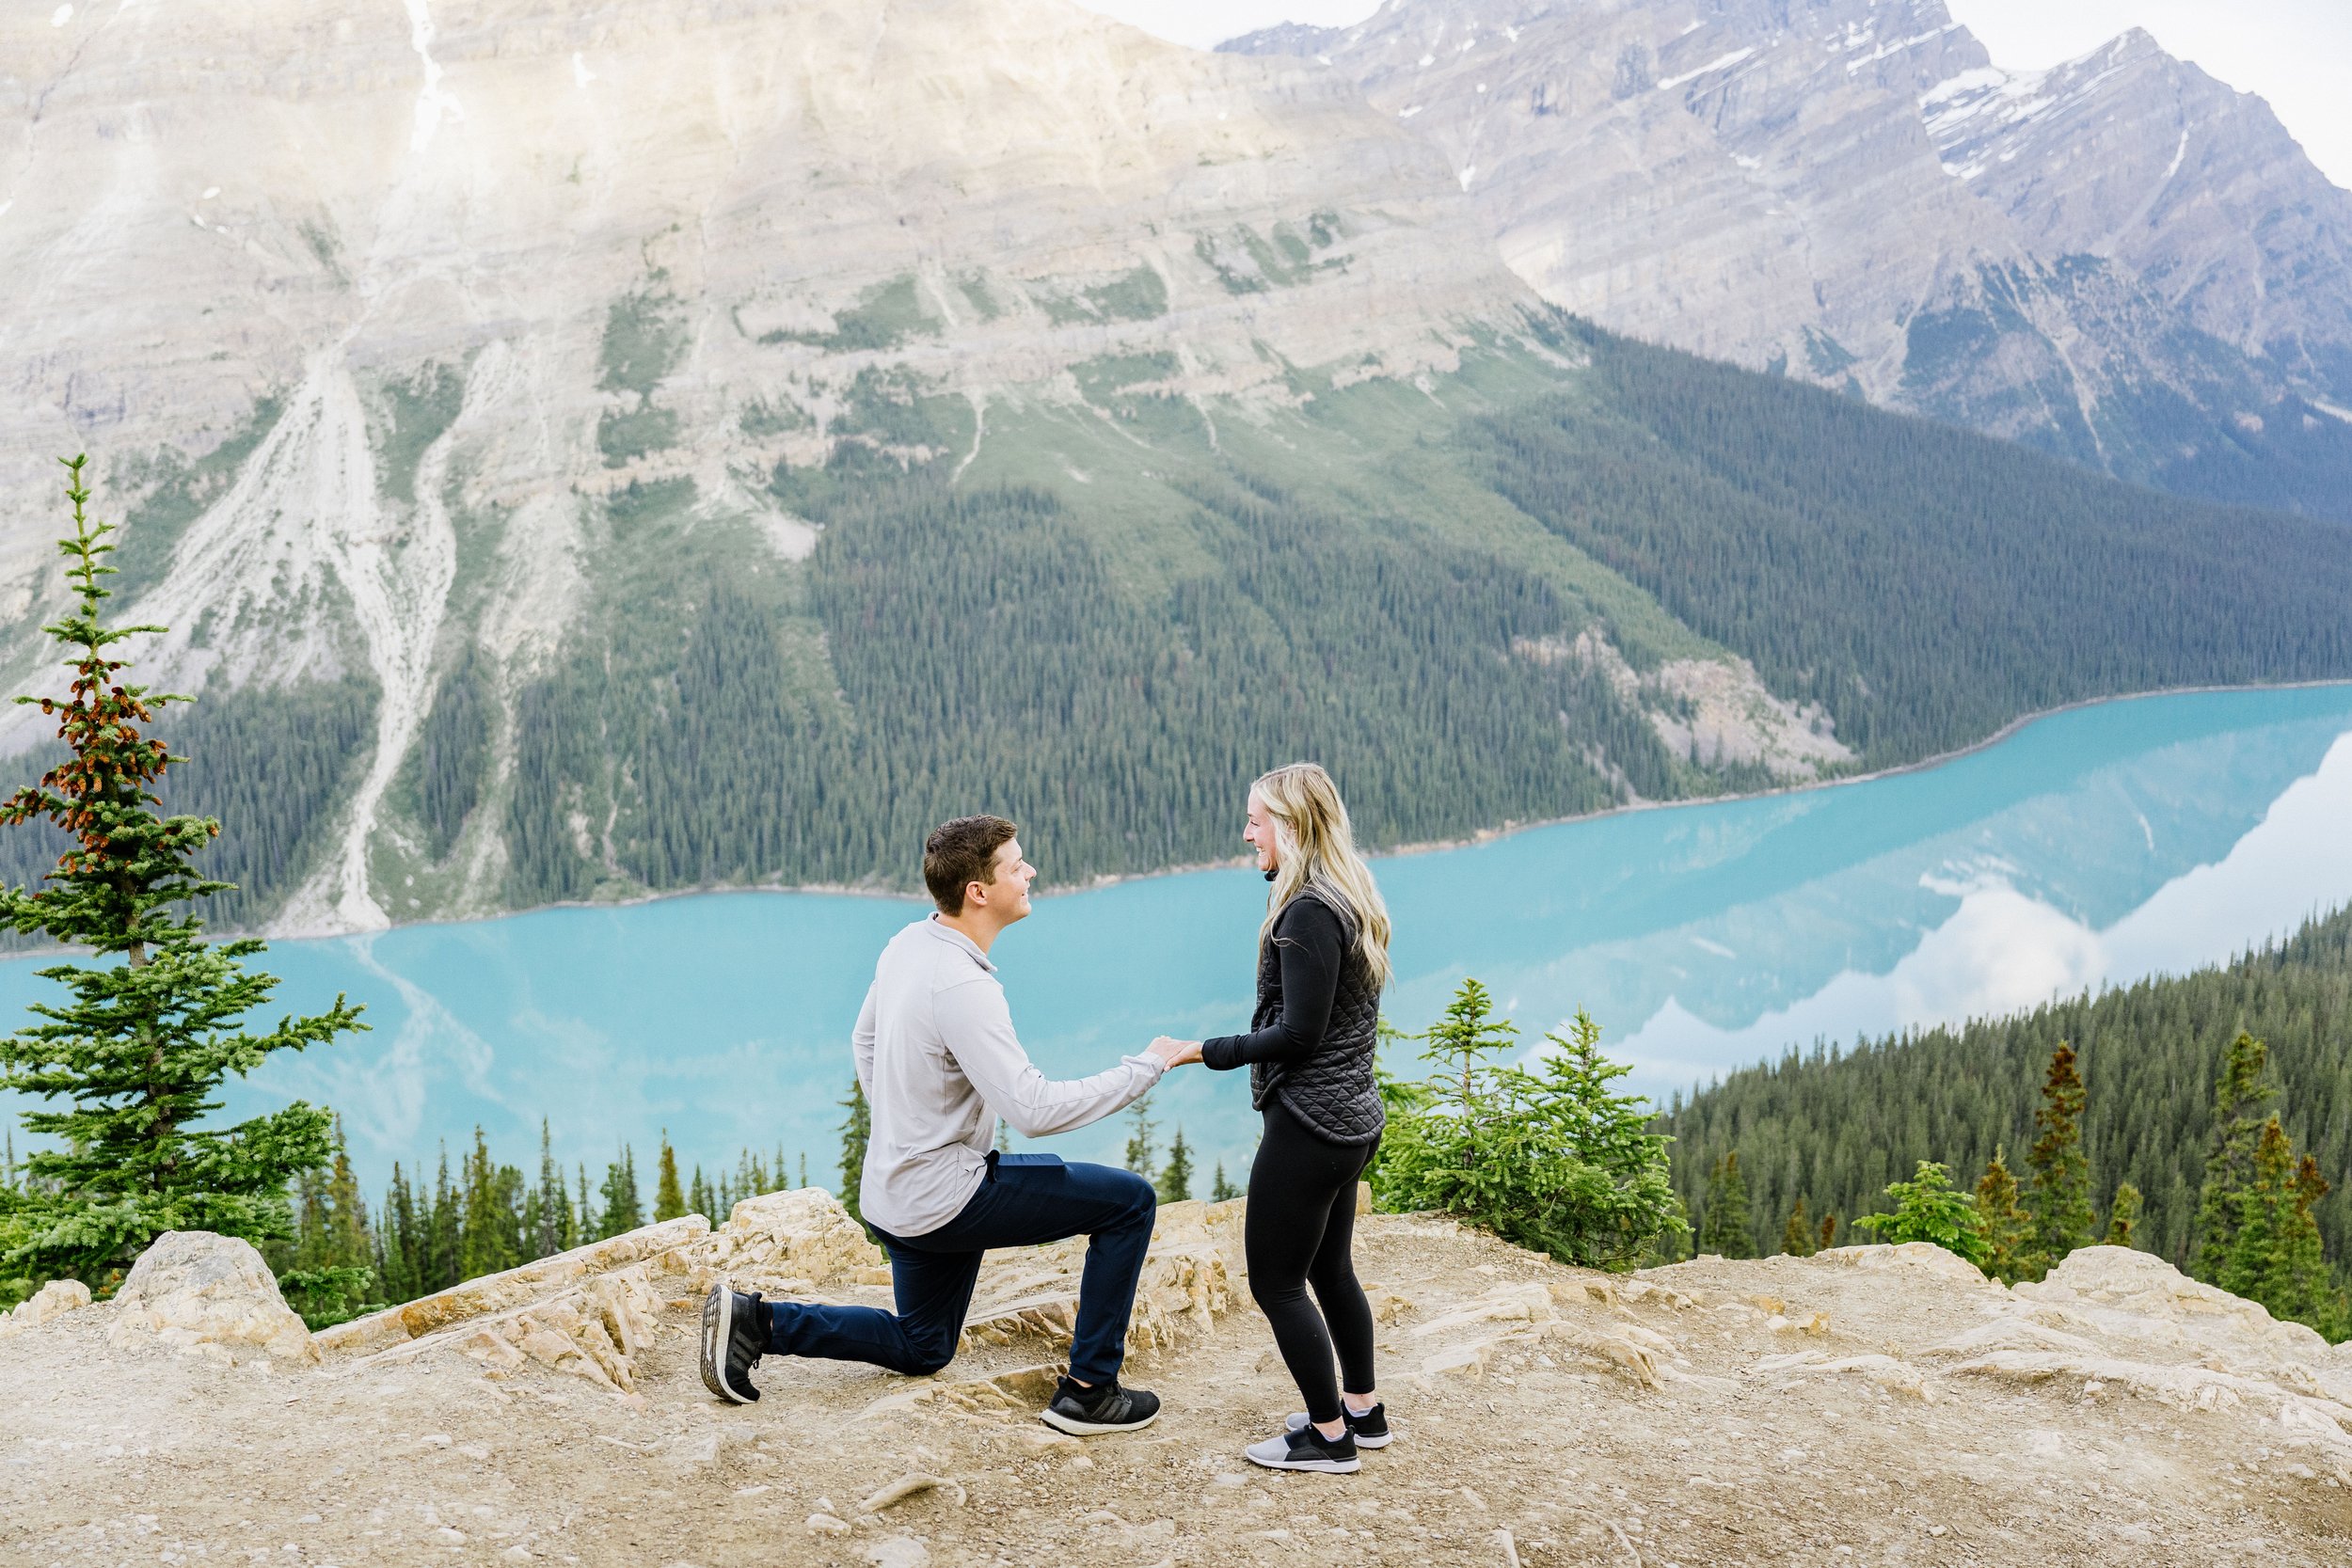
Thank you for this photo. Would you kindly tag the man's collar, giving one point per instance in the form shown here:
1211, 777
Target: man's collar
947, 933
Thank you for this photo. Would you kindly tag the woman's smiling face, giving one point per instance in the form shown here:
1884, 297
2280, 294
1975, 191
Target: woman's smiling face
1259, 834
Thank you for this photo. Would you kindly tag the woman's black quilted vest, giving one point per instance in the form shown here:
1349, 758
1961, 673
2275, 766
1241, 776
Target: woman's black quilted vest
1333, 1091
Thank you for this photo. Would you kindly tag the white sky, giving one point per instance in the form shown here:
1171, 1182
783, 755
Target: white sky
2298, 54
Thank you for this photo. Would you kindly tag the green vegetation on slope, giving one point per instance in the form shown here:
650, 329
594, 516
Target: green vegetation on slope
1834, 1127
270, 764
985, 656
1923, 584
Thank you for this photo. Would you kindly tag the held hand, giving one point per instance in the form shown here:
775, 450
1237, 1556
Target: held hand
1175, 1052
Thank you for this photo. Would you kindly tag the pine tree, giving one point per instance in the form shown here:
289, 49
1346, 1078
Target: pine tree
855, 1130
2008, 1228
1796, 1237
669, 1200
2059, 1196
587, 1225
1725, 1230
2237, 1132
2124, 1215
143, 1046
491, 1240
1175, 1180
1140, 1140
553, 1232
1221, 1190
397, 1267
805, 1163
443, 1232
701, 1200
623, 1210
1827, 1238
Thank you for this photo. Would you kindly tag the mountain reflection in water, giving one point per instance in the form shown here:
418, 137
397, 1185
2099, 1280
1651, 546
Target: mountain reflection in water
2090, 848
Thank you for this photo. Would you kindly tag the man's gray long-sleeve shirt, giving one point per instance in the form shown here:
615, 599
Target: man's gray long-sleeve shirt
939, 1062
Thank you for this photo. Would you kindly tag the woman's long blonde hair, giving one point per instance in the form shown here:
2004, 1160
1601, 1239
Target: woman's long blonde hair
1317, 853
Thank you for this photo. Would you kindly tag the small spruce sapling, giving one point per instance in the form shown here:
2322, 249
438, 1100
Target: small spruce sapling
669, 1199
2239, 1097
1796, 1237
1725, 1229
1175, 1178
2008, 1229
1142, 1141
1928, 1210
141, 1047
2125, 1217
856, 1129
2058, 1195
1221, 1190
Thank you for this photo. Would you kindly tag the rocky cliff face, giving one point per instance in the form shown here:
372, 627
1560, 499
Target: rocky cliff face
2119, 260
1874, 1403
362, 299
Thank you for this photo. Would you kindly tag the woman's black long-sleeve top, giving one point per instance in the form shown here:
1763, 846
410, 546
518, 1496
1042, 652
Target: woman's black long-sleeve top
1315, 1029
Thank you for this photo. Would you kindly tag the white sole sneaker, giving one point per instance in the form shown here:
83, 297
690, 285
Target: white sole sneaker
718, 1313
1077, 1428
1278, 1453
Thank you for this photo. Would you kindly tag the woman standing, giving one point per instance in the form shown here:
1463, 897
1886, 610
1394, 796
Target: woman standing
1323, 957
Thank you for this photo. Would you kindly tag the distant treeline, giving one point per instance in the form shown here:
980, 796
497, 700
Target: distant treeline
1832, 1128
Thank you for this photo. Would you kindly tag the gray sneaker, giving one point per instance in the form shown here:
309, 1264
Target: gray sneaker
1305, 1448
734, 1338
1370, 1430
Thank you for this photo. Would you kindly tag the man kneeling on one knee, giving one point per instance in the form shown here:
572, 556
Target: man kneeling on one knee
939, 1062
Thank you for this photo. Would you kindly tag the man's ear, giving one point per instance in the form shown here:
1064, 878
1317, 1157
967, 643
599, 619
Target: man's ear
975, 892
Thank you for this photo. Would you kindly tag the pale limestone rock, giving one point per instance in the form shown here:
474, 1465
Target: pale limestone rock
504, 1292
53, 1299
1925, 1256
803, 1235
192, 1288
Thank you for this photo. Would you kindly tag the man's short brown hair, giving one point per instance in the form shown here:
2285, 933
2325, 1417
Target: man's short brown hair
960, 853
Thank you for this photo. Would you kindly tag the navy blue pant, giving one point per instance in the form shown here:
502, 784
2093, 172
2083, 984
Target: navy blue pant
1023, 1202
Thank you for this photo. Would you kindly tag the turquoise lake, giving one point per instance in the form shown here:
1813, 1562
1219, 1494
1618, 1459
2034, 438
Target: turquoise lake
2089, 848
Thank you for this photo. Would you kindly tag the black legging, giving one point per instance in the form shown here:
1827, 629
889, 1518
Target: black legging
1298, 1231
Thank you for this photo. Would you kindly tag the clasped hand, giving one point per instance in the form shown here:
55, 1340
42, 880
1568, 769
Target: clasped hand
1174, 1052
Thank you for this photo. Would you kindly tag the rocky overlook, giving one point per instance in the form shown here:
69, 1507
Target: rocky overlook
2119, 260
1868, 1405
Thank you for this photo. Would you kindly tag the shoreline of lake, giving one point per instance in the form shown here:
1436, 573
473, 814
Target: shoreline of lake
1402, 851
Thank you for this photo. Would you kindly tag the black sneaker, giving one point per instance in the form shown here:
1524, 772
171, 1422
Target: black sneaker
1305, 1448
1106, 1407
734, 1338
1370, 1430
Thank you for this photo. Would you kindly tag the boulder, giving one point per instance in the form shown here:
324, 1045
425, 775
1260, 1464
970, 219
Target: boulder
803, 1235
53, 1300
193, 1290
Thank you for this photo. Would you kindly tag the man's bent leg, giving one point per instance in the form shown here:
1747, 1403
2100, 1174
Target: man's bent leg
933, 1290
1029, 1205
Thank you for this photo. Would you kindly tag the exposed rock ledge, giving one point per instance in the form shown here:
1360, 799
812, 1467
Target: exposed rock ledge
1870, 1404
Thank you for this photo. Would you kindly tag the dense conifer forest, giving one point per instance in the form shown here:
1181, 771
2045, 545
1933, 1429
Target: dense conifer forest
1923, 583
1829, 1129
948, 648
268, 763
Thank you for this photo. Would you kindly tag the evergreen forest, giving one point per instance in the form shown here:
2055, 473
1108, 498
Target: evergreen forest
1824, 1133
952, 646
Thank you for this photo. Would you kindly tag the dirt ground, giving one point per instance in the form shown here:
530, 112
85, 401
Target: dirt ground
1777, 1411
